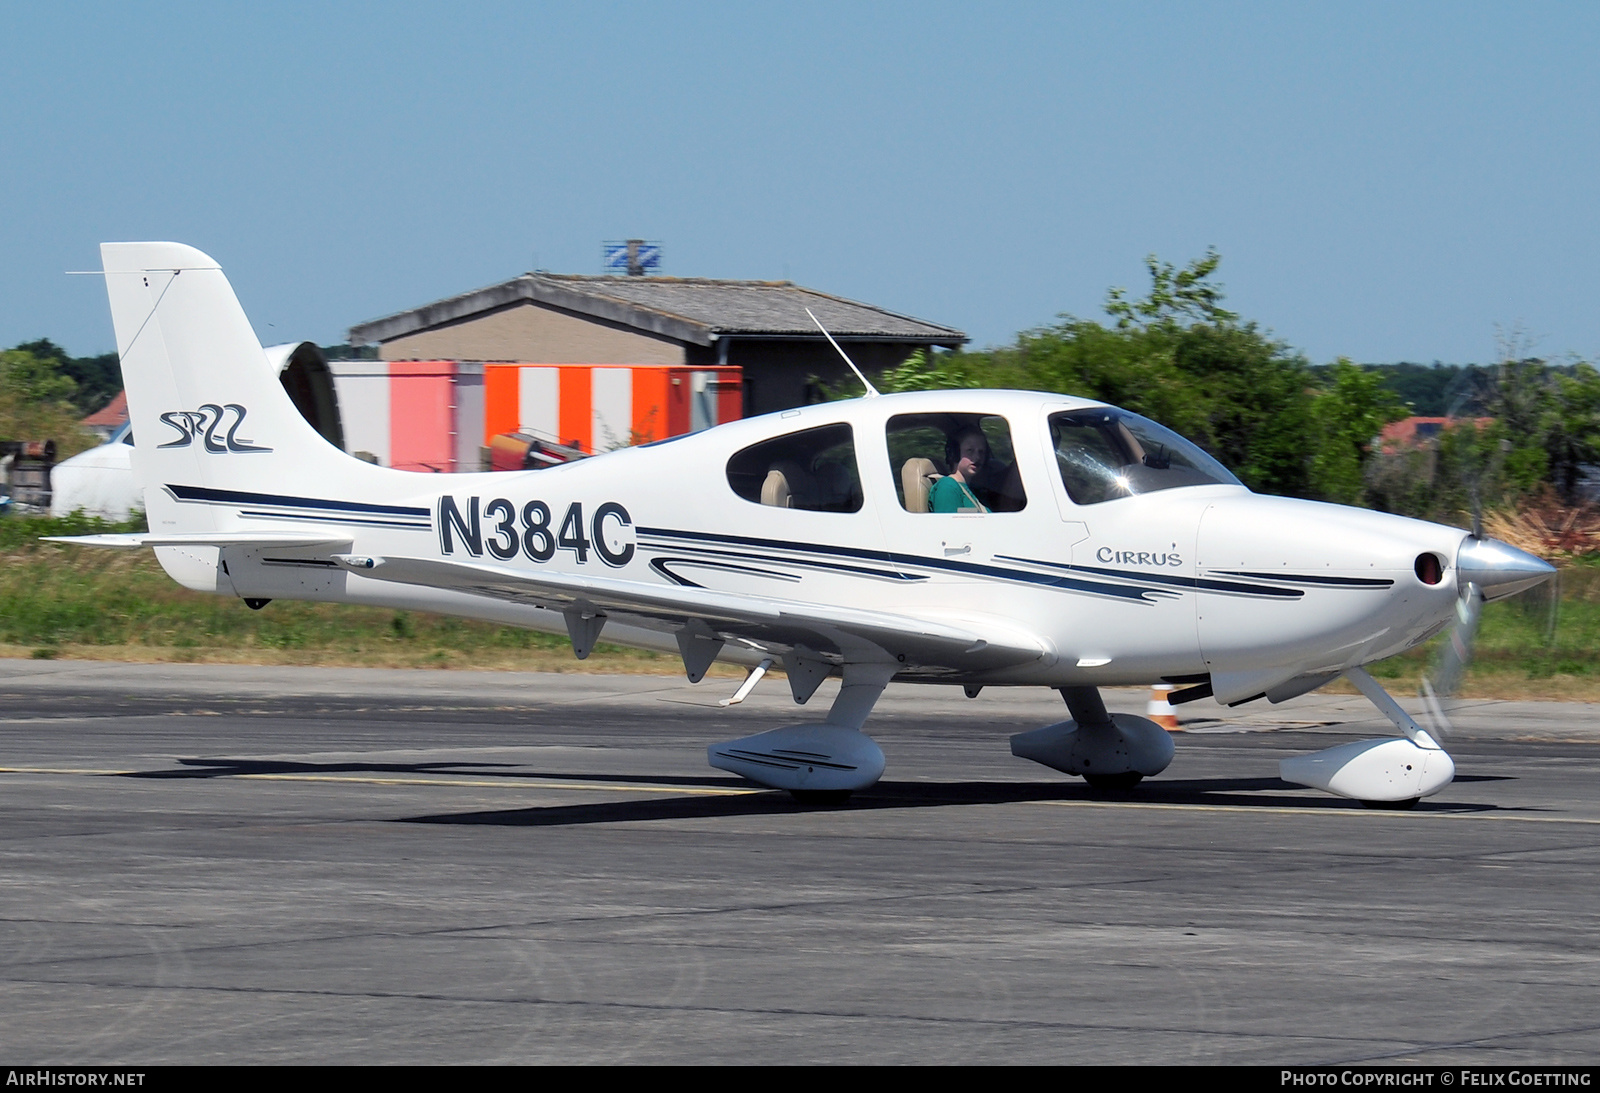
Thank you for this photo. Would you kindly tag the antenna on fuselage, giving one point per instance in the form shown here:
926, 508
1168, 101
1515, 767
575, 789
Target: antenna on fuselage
865, 382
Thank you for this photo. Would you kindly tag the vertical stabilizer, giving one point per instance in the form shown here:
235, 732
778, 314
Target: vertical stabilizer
208, 411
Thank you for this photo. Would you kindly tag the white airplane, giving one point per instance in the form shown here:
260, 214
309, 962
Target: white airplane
1079, 546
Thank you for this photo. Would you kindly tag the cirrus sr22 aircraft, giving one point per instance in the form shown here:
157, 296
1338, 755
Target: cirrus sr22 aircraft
1091, 548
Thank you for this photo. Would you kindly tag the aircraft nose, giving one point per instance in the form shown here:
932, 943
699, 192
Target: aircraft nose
1499, 569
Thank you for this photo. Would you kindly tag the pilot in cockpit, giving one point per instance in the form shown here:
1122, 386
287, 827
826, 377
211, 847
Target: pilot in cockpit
966, 454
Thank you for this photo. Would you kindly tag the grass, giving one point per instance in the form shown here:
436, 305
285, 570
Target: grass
60, 601
1524, 650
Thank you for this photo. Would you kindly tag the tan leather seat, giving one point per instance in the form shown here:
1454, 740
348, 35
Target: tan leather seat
917, 476
787, 486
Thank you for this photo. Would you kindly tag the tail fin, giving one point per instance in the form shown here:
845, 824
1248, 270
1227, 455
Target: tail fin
209, 415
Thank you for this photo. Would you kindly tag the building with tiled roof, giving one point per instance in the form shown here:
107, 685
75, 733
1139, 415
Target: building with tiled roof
759, 326
1419, 432
108, 419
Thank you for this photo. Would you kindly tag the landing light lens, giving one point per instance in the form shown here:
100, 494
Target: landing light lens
1429, 569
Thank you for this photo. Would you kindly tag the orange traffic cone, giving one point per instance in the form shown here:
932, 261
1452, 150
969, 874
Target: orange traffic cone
1160, 710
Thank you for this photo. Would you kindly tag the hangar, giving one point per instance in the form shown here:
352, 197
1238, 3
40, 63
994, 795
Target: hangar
758, 327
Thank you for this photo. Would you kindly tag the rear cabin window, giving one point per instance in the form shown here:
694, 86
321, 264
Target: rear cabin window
926, 449
814, 469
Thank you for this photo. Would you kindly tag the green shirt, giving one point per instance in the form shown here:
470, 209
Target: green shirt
950, 494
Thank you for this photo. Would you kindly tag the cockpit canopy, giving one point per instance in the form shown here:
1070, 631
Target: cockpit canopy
1102, 453
1105, 453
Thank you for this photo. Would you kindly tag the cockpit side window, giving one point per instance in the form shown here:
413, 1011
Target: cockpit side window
814, 469
926, 453
1104, 454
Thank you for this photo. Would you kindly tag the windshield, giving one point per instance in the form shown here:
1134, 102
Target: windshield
1104, 454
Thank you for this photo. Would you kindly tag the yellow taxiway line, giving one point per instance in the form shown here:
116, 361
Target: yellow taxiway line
509, 783
705, 791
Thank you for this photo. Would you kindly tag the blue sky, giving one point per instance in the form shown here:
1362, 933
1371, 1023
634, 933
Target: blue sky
1384, 181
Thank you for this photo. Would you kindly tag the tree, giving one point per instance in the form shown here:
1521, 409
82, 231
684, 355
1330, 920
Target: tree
1134, 369
1256, 398
96, 380
1175, 295
920, 373
34, 404
1572, 437
1349, 411
1424, 388
1521, 402
1178, 356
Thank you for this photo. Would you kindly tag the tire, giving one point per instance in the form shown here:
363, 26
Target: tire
1125, 780
820, 796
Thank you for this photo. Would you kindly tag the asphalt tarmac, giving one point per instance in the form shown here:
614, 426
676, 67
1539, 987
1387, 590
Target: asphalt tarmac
258, 865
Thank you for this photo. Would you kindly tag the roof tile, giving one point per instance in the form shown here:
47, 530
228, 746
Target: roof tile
689, 309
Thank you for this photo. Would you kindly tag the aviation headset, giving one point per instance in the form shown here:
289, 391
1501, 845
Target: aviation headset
952, 444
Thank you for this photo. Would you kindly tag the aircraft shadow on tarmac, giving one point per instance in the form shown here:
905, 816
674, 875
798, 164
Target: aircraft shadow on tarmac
1231, 792
1234, 792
